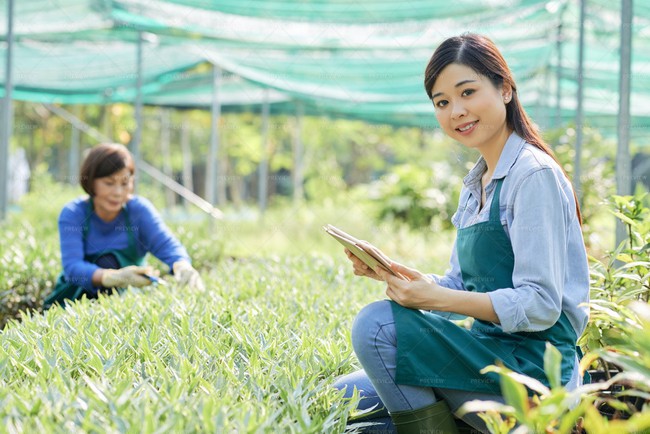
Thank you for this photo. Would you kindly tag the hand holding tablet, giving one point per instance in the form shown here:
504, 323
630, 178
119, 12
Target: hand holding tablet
366, 252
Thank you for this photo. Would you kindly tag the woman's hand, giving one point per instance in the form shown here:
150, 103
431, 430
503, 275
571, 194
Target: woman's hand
361, 269
127, 276
186, 275
417, 292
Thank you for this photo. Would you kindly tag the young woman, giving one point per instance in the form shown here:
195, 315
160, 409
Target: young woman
518, 266
105, 236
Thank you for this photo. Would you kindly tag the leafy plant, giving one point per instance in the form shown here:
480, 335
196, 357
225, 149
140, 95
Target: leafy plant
630, 354
28, 271
553, 409
632, 211
617, 338
597, 174
256, 352
419, 196
623, 277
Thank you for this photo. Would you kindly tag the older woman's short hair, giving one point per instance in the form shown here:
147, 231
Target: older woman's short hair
104, 160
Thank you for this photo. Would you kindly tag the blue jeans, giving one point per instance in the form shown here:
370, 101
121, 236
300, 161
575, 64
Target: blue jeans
374, 339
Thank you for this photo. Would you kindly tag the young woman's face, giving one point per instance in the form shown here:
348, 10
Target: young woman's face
111, 193
469, 108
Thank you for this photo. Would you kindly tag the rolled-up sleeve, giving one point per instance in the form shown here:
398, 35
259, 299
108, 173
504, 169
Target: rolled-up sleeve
538, 233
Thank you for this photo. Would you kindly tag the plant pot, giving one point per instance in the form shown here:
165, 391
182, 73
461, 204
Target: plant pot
633, 403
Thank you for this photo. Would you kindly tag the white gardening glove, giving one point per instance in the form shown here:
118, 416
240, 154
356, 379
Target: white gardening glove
127, 276
186, 275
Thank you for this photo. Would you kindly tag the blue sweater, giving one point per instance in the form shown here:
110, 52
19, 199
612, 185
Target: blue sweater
150, 233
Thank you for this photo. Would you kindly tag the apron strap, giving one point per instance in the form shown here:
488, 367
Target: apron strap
129, 229
494, 208
127, 222
84, 226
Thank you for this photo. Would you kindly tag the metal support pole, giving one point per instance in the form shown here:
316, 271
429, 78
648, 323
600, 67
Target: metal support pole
165, 142
7, 114
213, 155
137, 134
558, 89
579, 110
298, 156
263, 172
146, 168
187, 155
543, 100
106, 119
623, 164
73, 156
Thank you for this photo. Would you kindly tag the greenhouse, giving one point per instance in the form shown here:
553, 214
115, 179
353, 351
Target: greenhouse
333, 58
252, 124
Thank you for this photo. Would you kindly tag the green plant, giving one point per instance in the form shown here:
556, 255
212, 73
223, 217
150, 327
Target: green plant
419, 196
617, 338
28, 271
553, 409
29, 247
597, 171
257, 351
623, 277
630, 354
633, 212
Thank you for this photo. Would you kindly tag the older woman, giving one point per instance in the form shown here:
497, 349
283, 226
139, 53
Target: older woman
106, 235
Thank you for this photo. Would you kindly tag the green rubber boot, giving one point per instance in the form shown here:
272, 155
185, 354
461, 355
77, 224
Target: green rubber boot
434, 419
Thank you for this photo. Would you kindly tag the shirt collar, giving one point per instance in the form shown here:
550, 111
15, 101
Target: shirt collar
509, 155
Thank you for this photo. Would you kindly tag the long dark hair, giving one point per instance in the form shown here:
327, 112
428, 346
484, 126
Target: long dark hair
479, 53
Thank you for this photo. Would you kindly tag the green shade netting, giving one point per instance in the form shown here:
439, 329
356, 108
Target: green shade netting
81, 72
343, 11
362, 59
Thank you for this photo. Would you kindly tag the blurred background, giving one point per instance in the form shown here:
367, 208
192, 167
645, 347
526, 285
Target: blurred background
257, 122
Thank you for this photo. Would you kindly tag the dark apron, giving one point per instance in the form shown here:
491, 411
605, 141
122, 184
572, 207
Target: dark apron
64, 290
434, 352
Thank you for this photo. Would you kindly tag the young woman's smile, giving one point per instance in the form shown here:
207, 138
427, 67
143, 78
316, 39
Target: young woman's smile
470, 108
466, 128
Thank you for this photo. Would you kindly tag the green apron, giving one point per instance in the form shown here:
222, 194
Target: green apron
64, 290
434, 352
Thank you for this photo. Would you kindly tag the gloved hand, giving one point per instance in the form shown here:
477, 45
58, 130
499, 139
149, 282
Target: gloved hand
127, 276
185, 274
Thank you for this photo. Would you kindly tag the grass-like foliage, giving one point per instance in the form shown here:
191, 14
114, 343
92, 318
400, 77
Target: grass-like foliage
259, 349
256, 352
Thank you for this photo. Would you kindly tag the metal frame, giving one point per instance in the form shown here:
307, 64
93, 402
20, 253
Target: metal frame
6, 122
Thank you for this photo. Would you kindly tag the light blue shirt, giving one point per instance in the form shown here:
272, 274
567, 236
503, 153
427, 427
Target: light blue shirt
538, 213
